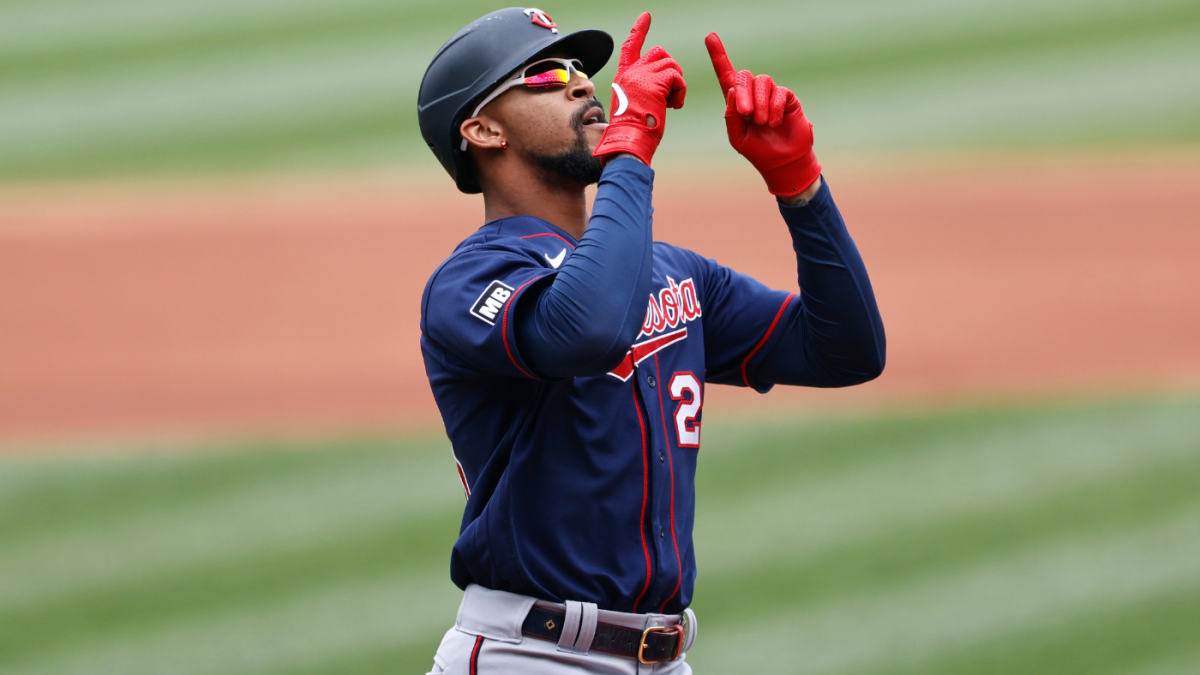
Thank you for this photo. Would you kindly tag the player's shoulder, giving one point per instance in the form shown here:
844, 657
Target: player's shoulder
518, 246
508, 239
672, 256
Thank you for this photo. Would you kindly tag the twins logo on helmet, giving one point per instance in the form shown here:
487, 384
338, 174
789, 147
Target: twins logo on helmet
542, 19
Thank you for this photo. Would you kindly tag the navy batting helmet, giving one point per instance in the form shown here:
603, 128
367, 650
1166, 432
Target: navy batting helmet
481, 56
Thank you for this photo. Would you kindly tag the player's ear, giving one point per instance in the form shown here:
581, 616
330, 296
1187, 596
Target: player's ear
483, 132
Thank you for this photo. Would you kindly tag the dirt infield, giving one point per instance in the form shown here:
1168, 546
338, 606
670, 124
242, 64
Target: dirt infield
293, 304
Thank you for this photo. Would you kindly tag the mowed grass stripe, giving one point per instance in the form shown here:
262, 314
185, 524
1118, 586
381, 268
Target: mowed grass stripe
324, 22
1045, 585
822, 60
741, 460
275, 512
1033, 100
905, 479
964, 538
981, 30
383, 124
42, 494
198, 98
1187, 663
190, 88
282, 636
408, 545
327, 121
1158, 633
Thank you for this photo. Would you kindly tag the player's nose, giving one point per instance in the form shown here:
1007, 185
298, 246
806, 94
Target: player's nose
581, 88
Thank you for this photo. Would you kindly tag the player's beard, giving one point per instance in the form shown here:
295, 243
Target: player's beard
576, 164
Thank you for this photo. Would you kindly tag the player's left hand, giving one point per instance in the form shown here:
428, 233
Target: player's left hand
644, 87
766, 125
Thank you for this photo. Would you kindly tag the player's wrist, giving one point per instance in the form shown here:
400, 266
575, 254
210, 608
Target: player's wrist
622, 155
802, 198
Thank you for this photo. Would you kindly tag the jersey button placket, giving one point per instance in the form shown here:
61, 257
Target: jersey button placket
664, 560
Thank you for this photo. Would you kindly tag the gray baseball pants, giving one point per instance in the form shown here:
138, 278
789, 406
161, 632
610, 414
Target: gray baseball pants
487, 639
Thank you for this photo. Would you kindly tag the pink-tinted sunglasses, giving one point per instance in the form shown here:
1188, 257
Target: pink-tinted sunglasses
544, 74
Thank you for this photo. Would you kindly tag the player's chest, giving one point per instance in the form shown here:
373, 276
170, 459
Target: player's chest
671, 339
656, 392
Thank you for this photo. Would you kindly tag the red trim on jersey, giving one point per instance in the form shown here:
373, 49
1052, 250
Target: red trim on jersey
645, 495
763, 341
504, 326
550, 234
670, 463
475, 655
644, 350
463, 477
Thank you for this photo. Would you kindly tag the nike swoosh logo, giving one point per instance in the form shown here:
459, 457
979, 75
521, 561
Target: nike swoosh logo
622, 100
556, 260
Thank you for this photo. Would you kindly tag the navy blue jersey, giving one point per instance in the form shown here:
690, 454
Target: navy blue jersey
582, 488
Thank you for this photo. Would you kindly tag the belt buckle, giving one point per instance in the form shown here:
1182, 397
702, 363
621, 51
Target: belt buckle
678, 630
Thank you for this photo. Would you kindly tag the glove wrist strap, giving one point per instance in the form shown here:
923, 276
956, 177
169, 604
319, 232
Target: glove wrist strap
632, 138
794, 177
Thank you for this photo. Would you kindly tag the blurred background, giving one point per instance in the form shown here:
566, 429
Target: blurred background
218, 452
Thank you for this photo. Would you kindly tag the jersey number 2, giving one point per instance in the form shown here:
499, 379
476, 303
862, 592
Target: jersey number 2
686, 389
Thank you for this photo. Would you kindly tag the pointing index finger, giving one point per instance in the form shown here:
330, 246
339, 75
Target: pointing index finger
631, 51
720, 61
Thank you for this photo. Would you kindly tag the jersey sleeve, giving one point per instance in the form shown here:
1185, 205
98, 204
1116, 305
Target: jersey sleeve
469, 310
742, 317
830, 335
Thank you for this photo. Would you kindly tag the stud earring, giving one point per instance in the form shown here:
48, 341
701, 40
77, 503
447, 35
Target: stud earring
503, 145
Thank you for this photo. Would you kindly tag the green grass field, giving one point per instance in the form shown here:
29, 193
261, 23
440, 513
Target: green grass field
1011, 539
112, 87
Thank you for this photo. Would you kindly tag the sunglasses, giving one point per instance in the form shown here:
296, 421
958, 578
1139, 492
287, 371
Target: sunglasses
544, 74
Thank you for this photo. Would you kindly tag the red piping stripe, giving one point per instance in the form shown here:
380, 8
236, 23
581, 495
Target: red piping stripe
475, 655
763, 341
644, 350
645, 496
550, 234
463, 477
504, 326
670, 463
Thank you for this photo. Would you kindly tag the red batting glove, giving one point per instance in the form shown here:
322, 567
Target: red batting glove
766, 125
643, 88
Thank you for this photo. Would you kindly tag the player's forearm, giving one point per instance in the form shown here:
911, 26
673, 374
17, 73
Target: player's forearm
585, 320
837, 338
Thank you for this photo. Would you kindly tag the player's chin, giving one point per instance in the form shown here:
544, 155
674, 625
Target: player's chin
594, 132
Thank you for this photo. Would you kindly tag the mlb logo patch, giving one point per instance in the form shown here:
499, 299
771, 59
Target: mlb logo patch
487, 308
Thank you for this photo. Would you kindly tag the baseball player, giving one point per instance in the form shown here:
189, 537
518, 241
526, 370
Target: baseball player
569, 353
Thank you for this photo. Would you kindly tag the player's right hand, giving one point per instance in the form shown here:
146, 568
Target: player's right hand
766, 125
643, 89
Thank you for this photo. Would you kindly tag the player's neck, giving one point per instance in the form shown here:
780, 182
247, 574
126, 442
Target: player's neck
562, 206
